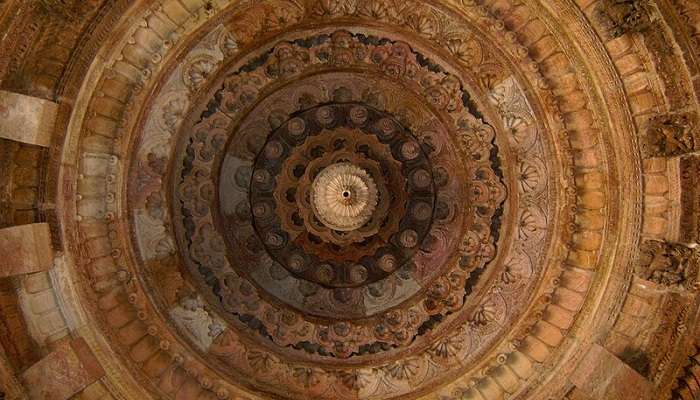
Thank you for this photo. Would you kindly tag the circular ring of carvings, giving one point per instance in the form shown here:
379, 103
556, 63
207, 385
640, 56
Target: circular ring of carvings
515, 107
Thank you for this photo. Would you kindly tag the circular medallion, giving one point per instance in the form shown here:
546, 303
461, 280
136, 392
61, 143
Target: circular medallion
338, 193
343, 197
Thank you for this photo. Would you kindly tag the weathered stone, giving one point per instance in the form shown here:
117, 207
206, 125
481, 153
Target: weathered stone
669, 264
618, 17
542, 145
670, 135
27, 119
70, 368
601, 375
25, 249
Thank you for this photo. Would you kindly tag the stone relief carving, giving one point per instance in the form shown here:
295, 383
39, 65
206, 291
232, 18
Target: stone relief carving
396, 327
671, 135
528, 182
400, 376
150, 219
392, 59
685, 385
689, 171
672, 265
69, 8
191, 316
618, 17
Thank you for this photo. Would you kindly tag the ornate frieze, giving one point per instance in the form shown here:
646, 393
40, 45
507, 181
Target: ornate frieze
689, 183
686, 384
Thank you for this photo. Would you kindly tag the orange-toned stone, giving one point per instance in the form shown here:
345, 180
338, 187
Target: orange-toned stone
69, 369
25, 249
19, 347
601, 375
26, 119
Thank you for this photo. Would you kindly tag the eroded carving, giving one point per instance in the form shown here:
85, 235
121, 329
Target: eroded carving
669, 264
671, 135
618, 17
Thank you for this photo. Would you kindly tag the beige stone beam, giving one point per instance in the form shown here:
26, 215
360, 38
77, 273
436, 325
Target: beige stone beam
69, 369
25, 249
27, 119
42, 312
601, 375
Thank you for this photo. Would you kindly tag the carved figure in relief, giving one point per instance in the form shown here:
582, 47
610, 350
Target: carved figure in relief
191, 316
670, 135
669, 264
618, 17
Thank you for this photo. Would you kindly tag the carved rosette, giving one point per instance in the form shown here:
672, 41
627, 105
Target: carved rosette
343, 196
382, 168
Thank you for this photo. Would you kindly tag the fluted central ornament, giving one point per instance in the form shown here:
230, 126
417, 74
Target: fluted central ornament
343, 196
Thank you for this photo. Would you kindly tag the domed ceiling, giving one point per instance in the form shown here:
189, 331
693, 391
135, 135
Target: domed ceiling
349, 199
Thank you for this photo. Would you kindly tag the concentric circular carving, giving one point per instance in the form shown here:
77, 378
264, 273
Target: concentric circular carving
381, 168
260, 252
358, 213
337, 195
351, 199
358, 199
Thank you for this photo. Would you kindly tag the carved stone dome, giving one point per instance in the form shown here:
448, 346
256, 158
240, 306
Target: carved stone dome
349, 199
